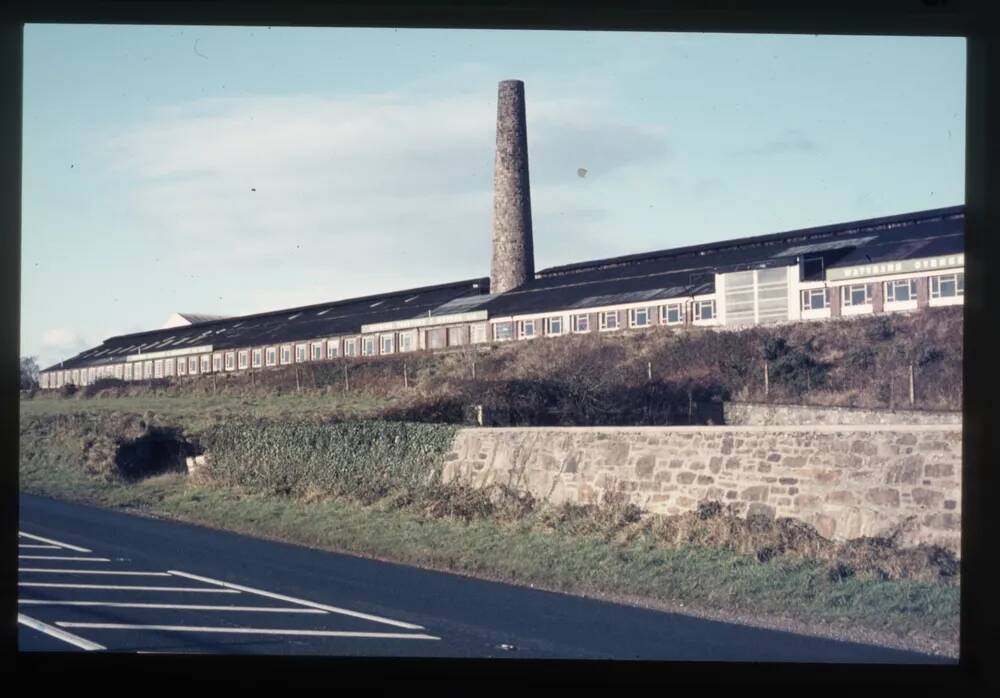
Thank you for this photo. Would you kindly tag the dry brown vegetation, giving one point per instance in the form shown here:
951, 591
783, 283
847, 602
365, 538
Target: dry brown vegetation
655, 376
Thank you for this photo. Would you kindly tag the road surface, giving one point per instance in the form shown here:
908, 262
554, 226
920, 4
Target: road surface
96, 580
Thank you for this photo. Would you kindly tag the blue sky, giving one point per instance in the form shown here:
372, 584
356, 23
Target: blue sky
231, 170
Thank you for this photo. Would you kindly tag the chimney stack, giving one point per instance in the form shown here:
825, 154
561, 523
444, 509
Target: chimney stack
513, 260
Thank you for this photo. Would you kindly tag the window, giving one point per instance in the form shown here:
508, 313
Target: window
477, 333
332, 348
206, 363
168, 366
317, 351
527, 328
900, 290
286, 354
351, 347
192, 363
243, 359
553, 325
118, 371
255, 358
580, 323
216, 362
147, 369
456, 336
815, 299
812, 269
230, 360
609, 320
856, 294
127, 370
704, 310
502, 331
300, 353
407, 341
949, 286
158, 368
638, 317
271, 356
367, 346
387, 343
671, 314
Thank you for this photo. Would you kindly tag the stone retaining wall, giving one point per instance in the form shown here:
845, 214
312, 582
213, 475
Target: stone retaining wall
746, 413
847, 481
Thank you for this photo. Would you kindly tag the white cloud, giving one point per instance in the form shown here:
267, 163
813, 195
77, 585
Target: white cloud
357, 195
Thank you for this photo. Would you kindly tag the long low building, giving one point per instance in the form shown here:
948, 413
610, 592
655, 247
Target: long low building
901, 263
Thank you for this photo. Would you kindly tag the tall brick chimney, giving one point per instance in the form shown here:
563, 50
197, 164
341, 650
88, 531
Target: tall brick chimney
513, 260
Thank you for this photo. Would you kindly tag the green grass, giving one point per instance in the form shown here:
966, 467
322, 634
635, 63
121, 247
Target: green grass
197, 412
527, 552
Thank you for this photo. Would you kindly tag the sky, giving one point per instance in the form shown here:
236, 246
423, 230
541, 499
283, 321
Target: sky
233, 170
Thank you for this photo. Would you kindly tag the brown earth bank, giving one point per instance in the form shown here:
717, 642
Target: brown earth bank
652, 376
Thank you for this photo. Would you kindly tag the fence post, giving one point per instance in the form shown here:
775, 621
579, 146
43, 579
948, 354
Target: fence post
912, 394
347, 384
406, 381
767, 384
473, 368
649, 370
296, 379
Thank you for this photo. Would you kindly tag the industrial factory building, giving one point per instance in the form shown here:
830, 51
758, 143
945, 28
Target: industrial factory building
899, 263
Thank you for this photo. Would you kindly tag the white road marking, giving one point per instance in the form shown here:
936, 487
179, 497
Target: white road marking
54, 542
177, 606
63, 557
125, 588
30, 545
246, 631
302, 602
58, 633
53, 570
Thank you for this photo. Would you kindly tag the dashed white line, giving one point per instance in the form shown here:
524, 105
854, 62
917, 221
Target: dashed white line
125, 588
58, 633
63, 557
54, 542
246, 631
177, 606
53, 570
302, 602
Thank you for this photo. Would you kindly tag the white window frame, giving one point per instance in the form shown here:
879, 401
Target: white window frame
243, 359
368, 345
849, 308
575, 323
286, 354
147, 369
603, 320
230, 360
548, 325
699, 305
192, 365
408, 341
168, 367
301, 353
270, 356
317, 351
478, 333
217, 363
351, 346
158, 368
332, 348
890, 290
633, 317
522, 331
665, 314
383, 339
934, 291
807, 296
506, 323
256, 358
182, 367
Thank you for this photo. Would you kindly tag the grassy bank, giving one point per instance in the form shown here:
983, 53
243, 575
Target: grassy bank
611, 551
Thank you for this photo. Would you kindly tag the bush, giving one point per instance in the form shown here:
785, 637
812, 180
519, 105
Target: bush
103, 384
68, 390
364, 459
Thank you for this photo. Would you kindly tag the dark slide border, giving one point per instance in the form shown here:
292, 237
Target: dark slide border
975, 19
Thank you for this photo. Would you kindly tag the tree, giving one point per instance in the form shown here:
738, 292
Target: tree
29, 373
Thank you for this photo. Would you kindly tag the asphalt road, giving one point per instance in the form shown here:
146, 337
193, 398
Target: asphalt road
91, 579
